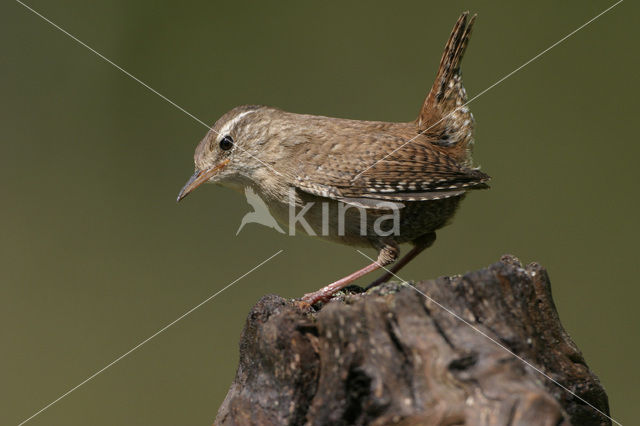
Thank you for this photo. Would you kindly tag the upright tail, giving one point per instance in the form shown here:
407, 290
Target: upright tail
438, 116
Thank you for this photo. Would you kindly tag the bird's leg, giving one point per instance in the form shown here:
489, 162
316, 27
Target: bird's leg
387, 255
420, 244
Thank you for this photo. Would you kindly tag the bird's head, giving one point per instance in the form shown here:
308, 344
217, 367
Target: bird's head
232, 149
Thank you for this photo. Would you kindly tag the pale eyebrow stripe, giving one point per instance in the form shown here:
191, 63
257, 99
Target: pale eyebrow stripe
230, 124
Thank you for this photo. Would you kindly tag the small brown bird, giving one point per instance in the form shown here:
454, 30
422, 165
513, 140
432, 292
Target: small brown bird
323, 175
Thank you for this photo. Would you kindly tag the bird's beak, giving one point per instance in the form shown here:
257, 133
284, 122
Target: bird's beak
200, 177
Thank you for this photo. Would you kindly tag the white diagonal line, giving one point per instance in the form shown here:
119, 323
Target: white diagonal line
149, 338
491, 87
476, 329
77, 40
128, 74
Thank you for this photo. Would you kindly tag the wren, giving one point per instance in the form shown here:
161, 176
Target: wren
419, 170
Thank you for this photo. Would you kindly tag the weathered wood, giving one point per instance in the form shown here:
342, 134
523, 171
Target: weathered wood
394, 356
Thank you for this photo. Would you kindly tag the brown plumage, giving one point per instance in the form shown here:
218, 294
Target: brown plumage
420, 169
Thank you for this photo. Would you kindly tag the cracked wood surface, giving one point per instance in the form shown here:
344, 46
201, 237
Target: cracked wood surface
391, 356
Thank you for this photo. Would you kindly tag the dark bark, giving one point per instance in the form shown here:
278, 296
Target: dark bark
395, 356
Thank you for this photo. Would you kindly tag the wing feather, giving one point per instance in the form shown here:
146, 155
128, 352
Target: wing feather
418, 173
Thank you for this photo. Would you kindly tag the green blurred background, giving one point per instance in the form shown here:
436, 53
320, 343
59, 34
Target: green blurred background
96, 255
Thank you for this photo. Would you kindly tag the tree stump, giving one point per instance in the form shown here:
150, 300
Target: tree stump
395, 355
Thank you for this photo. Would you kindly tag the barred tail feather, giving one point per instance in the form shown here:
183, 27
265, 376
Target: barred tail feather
438, 114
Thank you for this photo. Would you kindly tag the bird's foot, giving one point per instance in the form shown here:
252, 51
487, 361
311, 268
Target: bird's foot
317, 296
387, 255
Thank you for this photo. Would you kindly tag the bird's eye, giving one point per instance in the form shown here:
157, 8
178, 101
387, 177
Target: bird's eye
226, 143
